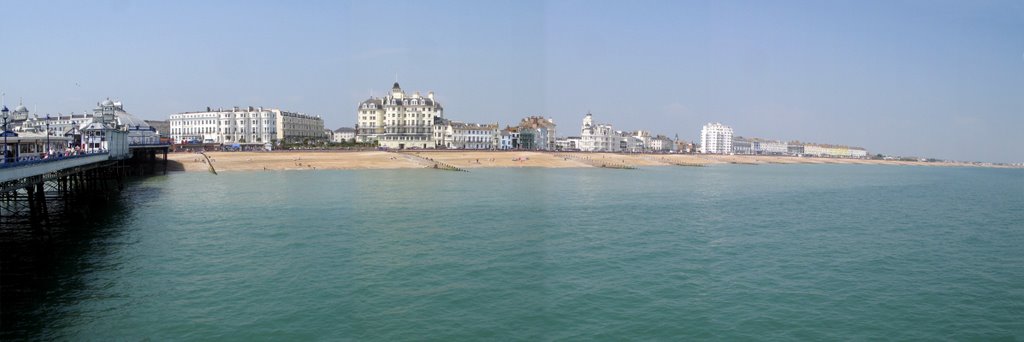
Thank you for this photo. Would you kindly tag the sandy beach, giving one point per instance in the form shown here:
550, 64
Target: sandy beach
345, 160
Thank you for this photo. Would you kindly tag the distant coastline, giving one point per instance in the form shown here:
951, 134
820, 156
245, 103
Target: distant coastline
468, 160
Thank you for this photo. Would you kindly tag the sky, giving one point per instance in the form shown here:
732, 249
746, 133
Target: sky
941, 79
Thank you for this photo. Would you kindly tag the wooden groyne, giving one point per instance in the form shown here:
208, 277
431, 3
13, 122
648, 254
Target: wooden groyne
430, 163
209, 162
676, 163
596, 162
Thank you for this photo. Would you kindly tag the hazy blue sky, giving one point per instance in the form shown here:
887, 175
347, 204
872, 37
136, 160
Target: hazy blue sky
930, 78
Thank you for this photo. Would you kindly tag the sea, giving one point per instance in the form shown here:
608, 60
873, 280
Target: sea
726, 252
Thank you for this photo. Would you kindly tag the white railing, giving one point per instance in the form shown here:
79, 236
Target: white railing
47, 166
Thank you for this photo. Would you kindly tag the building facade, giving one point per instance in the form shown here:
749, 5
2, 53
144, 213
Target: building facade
596, 137
399, 120
661, 143
245, 125
298, 127
568, 144
716, 138
507, 137
741, 145
543, 130
835, 151
108, 115
631, 143
795, 148
162, 128
343, 134
769, 147
470, 136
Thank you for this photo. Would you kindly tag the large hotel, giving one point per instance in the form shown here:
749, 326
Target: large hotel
245, 125
399, 120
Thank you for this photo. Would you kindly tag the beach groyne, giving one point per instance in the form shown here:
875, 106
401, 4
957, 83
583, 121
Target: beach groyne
597, 160
430, 162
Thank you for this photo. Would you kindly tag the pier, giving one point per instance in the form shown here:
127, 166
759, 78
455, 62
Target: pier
28, 187
71, 156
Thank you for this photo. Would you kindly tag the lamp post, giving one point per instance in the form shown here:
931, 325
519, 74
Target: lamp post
5, 113
47, 135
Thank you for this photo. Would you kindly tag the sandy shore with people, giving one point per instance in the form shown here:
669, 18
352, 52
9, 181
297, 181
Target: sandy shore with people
355, 160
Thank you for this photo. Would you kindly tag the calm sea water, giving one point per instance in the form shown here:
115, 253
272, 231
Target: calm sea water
818, 252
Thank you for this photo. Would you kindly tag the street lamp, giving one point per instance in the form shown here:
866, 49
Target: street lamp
5, 113
48, 136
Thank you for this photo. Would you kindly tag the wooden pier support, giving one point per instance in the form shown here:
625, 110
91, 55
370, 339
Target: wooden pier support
31, 198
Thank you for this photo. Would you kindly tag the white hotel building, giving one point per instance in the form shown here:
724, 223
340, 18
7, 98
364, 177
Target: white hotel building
249, 125
470, 136
716, 138
598, 137
399, 120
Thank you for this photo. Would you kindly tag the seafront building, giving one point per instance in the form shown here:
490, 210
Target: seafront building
568, 144
542, 131
399, 120
507, 138
343, 134
644, 141
716, 138
836, 151
639, 141
162, 127
460, 135
630, 143
107, 115
758, 146
660, 143
107, 129
245, 125
769, 147
686, 147
795, 148
527, 138
597, 137
741, 145
516, 138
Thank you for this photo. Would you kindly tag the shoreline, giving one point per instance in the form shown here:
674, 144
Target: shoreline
468, 160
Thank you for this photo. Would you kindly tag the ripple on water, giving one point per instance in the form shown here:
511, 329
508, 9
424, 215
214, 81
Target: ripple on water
781, 252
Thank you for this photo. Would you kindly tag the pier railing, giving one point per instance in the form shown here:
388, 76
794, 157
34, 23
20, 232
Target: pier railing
31, 168
33, 160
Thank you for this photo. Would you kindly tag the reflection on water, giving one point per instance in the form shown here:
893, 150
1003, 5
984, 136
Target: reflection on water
40, 258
